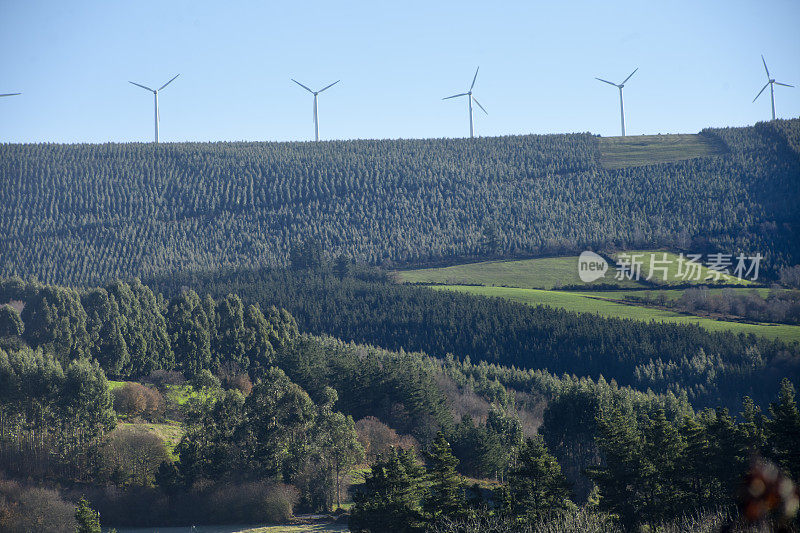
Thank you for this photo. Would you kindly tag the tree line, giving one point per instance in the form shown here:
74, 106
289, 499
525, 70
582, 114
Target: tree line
650, 471
132, 331
363, 305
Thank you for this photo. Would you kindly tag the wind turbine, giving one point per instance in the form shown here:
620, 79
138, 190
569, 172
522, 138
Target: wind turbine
771, 82
470, 99
621, 105
155, 99
315, 93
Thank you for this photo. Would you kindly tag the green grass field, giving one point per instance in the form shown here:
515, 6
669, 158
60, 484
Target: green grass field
555, 272
598, 303
700, 275
641, 150
541, 273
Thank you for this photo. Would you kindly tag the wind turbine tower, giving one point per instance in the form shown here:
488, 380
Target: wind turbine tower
155, 99
771, 82
621, 103
316, 94
470, 99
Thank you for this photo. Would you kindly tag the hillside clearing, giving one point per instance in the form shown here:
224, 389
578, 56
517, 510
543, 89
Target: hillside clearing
642, 150
539, 273
558, 272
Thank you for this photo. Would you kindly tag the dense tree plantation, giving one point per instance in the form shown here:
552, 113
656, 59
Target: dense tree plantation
83, 214
365, 307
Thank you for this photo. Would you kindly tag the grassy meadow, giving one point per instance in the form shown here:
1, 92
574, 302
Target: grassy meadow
541, 273
641, 150
699, 275
556, 272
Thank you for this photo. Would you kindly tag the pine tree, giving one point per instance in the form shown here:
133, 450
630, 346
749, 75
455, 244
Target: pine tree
663, 449
696, 478
445, 495
88, 519
537, 486
728, 457
784, 430
619, 480
390, 498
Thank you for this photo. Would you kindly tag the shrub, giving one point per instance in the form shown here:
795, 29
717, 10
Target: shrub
377, 438
133, 454
135, 400
242, 383
790, 277
256, 501
34, 509
206, 380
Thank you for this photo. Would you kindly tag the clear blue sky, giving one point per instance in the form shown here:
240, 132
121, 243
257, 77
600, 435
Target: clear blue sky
699, 65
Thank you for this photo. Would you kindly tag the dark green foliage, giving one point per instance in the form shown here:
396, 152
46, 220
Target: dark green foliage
784, 430
144, 329
480, 449
698, 480
335, 449
537, 487
133, 332
276, 433
655, 467
10, 322
88, 519
50, 415
622, 480
55, 321
711, 368
396, 387
190, 333
92, 213
445, 495
105, 324
389, 500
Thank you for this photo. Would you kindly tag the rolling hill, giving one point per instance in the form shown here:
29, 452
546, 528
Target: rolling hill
81, 214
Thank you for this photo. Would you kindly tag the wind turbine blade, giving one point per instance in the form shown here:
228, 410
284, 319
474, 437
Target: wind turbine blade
15, 94
761, 91
301, 85
629, 77
474, 78
479, 105
454, 96
784, 84
606, 81
329, 86
142, 86
765, 64
170, 81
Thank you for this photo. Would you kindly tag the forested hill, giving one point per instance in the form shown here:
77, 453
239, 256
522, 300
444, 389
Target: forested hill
87, 213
